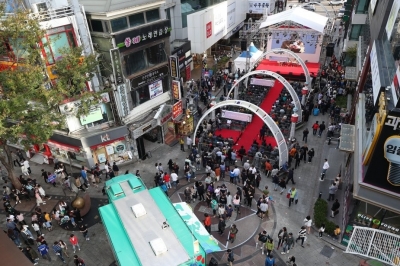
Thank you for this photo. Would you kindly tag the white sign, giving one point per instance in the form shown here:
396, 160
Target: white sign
396, 86
372, 4
258, 7
237, 116
220, 20
123, 99
156, 89
376, 79
392, 18
262, 82
231, 14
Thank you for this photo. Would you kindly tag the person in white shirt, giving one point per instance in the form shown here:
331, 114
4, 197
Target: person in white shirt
189, 142
174, 178
28, 167
253, 170
107, 169
325, 167
228, 123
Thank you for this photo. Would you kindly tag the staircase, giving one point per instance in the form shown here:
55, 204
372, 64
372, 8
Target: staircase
170, 140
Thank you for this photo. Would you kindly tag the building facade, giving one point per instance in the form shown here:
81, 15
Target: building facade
375, 183
133, 41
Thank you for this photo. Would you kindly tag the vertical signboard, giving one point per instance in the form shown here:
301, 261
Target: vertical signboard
177, 109
188, 73
176, 90
208, 29
376, 79
392, 18
120, 82
174, 66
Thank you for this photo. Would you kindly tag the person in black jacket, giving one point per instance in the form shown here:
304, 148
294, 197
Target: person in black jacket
200, 191
321, 128
221, 226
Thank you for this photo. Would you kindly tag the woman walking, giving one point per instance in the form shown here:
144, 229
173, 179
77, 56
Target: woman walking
64, 247
232, 233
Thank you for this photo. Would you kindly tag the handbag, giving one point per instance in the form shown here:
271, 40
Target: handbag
288, 195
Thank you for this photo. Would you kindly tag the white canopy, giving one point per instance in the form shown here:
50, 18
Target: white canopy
300, 16
253, 54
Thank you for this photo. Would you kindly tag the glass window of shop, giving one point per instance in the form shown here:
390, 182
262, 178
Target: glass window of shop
104, 117
136, 20
152, 15
190, 6
356, 31
56, 41
140, 60
65, 155
372, 216
142, 94
119, 24
362, 7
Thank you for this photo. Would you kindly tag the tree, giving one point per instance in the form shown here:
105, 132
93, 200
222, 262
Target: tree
29, 101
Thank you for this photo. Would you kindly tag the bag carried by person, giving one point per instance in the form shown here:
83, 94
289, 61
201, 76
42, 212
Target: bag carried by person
288, 195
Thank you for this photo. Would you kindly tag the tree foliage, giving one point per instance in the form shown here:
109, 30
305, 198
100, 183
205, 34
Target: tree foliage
29, 101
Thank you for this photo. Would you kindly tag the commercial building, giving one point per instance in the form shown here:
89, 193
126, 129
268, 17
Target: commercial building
145, 228
133, 41
371, 171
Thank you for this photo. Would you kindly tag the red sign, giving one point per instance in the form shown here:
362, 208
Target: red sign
208, 30
188, 73
176, 87
177, 109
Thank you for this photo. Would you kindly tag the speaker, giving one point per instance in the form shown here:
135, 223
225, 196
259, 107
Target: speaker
243, 45
330, 49
140, 148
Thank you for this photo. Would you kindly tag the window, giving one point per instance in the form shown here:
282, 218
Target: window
119, 24
18, 48
356, 31
149, 57
136, 20
97, 25
152, 15
362, 7
56, 41
142, 94
134, 62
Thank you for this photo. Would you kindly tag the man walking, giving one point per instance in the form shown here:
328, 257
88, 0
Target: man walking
332, 191
325, 167
305, 134
321, 129
44, 251
290, 176
335, 208
58, 250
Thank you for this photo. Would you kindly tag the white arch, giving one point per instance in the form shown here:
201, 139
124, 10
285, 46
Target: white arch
276, 132
278, 77
301, 62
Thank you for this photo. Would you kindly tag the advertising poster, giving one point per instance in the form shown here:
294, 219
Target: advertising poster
396, 86
392, 18
297, 43
231, 15
220, 14
156, 89
257, 7
382, 171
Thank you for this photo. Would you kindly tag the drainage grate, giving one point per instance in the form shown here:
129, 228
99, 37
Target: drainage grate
327, 251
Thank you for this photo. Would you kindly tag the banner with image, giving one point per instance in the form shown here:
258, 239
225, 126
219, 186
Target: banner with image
257, 6
297, 43
156, 89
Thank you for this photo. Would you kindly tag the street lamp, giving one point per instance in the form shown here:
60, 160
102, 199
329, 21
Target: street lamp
293, 119
304, 92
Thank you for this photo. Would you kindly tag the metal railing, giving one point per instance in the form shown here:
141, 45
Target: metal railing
46, 15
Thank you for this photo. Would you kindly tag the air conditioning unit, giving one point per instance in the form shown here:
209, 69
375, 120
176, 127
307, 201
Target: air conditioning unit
138, 210
158, 246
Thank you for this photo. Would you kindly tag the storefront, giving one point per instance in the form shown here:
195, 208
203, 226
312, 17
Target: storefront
184, 124
111, 145
164, 121
67, 149
184, 55
147, 137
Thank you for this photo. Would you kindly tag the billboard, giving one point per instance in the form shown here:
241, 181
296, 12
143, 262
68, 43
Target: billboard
297, 43
382, 171
396, 86
376, 79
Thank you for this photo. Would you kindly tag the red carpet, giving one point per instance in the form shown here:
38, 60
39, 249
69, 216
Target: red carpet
313, 68
228, 133
253, 129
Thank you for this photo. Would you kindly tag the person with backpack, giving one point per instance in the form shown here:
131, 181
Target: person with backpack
44, 251
230, 258
262, 239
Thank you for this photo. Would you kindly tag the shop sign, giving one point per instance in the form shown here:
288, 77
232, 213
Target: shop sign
208, 29
109, 135
94, 115
149, 77
105, 97
116, 64
174, 65
144, 128
177, 109
123, 98
176, 89
166, 114
182, 50
188, 73
369, 219
376, 79
143, 35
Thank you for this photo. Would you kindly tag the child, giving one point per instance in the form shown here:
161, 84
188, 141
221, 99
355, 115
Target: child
321, 230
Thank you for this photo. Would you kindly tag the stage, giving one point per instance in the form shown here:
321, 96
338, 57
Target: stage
287, 68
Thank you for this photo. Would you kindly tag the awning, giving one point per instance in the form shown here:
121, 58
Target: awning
63, 146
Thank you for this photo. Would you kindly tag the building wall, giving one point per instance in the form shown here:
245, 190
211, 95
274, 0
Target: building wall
379, 18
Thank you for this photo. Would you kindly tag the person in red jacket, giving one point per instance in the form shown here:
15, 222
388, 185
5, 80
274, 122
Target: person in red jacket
74, 241
207, 223
167, 180
315, 128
